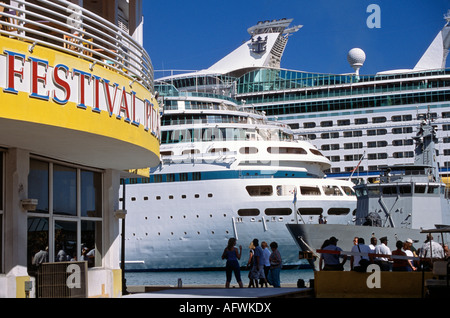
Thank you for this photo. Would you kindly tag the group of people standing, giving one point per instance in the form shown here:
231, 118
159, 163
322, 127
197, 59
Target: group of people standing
400, 259
265, 265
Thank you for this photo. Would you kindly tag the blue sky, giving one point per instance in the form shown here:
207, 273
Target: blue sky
194, 34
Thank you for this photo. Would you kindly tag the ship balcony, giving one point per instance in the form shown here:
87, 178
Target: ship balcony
66, 27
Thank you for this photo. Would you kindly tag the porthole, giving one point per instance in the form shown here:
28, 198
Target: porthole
248, 212
338, 211
310, 211
278, 211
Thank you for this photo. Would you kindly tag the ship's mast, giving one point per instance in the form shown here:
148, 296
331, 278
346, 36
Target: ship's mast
425, 149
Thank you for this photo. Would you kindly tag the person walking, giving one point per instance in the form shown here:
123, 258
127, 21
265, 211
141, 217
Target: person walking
232, 255
275, 266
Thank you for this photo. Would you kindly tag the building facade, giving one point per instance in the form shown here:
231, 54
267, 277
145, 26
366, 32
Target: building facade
77, 111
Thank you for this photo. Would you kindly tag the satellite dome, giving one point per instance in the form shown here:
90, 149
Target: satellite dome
356, 57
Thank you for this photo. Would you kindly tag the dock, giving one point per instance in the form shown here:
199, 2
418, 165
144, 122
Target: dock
218, 291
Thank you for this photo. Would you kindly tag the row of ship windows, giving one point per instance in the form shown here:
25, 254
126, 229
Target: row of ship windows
288, 211
364, 121
288, 190
378, 156
370, 132
373, 156
346, 104
401, 189
372, 144
250, 150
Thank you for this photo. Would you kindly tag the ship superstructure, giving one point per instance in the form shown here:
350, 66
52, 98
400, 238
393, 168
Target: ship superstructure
225, 171
348, 117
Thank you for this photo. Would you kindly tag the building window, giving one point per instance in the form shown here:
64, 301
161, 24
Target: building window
71, 226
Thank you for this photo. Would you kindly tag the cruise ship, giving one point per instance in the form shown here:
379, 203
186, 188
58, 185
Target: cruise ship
355, 120
225, 171
360, 123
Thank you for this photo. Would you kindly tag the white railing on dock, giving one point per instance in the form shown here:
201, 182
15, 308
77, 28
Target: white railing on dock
64, 26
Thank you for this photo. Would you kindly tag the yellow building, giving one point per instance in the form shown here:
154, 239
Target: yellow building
76, 111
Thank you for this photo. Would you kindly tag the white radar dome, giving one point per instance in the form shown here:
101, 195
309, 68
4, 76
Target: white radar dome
356, 57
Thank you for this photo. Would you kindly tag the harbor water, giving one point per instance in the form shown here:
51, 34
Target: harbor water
288, 276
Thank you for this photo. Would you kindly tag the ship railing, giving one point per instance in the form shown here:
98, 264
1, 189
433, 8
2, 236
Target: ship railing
226, 157
69, 28
208, 95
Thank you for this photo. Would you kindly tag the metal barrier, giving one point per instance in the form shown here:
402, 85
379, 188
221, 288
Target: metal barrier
64, 26
62, 280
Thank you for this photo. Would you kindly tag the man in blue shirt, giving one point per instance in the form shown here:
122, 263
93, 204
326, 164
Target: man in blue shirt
331, 260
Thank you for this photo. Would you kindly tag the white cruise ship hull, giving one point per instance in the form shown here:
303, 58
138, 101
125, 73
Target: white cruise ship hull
186, 225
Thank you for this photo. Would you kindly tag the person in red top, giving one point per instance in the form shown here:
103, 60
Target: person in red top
399, 265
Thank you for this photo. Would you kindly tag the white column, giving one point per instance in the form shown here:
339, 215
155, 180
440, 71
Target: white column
15, 217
